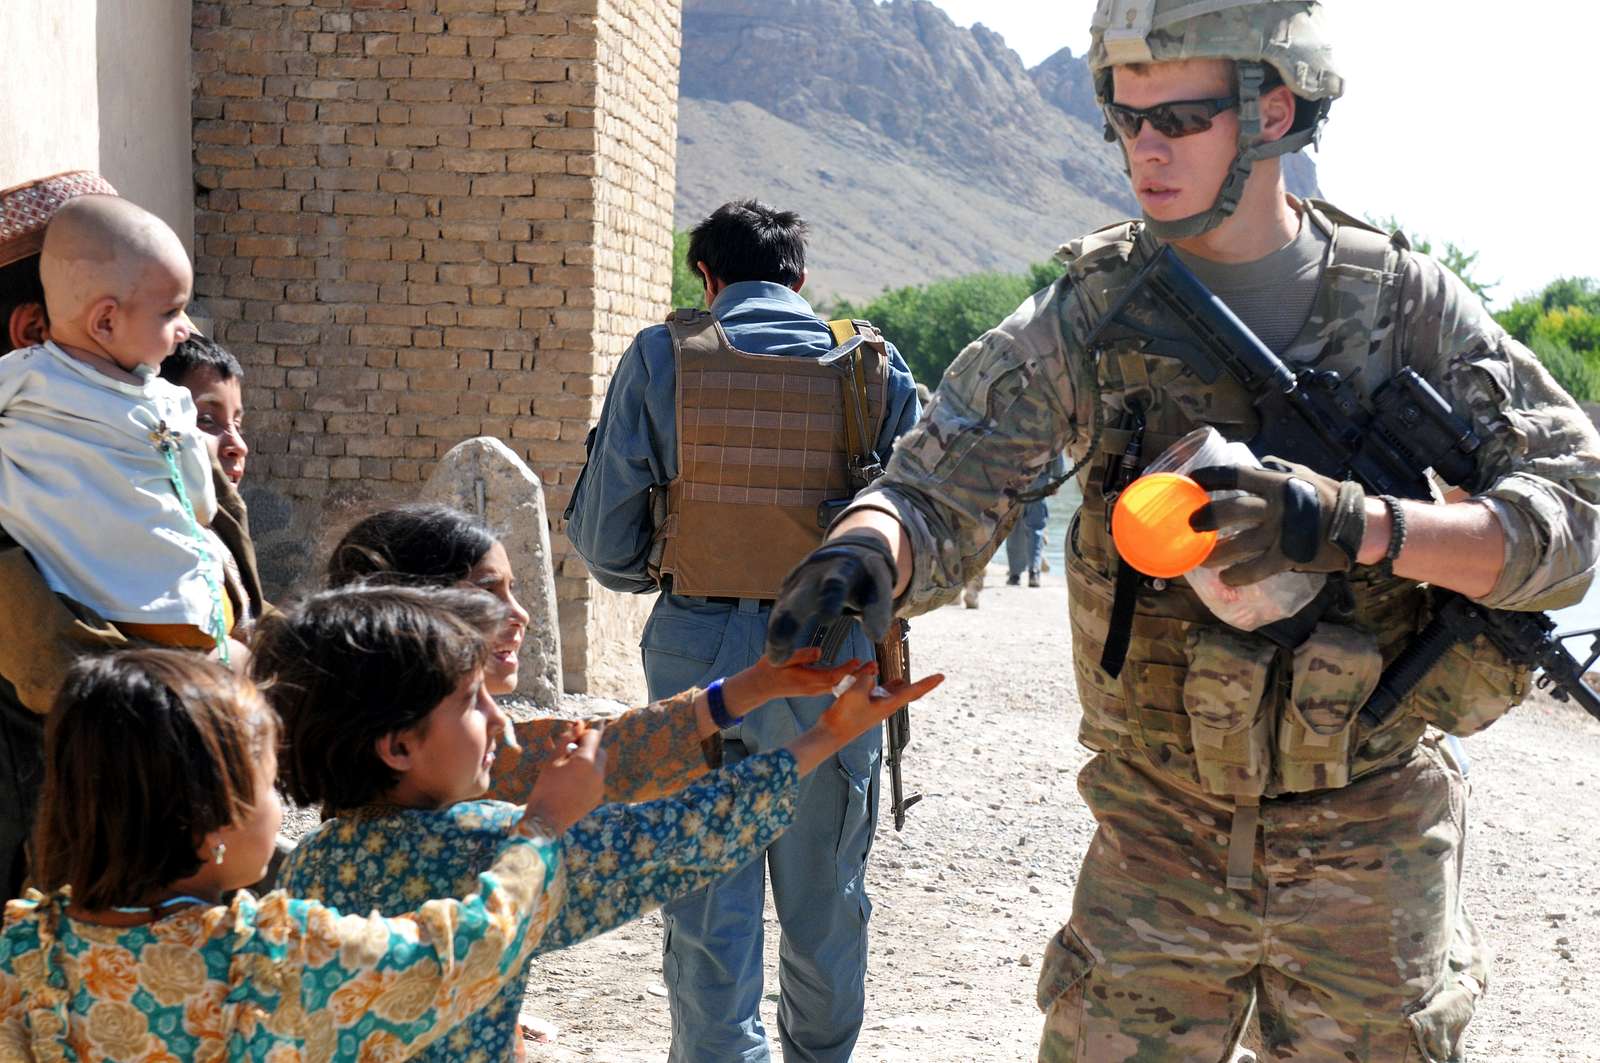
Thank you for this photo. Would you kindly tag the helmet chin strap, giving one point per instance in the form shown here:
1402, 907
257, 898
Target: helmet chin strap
1251, 150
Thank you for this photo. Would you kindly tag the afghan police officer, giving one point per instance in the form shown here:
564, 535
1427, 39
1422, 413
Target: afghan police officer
724, 439
1256, 840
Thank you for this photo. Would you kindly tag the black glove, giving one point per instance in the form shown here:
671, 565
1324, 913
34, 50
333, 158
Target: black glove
1292, 518
850, 573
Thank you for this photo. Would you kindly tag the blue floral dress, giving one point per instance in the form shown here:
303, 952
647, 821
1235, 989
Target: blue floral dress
273, 980
622, 861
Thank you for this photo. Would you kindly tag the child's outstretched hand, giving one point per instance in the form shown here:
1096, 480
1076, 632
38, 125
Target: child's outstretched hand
572, 784
860, 706
798, 677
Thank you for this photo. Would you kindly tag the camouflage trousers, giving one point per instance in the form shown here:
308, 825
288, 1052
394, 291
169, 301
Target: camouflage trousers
1352, 942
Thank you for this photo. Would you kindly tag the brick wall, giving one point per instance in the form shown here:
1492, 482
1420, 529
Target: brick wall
424, 220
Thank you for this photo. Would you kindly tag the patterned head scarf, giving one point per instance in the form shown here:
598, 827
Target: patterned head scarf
26, 209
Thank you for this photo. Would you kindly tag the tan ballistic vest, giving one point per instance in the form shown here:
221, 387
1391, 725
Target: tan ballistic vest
764, 441
1265, 727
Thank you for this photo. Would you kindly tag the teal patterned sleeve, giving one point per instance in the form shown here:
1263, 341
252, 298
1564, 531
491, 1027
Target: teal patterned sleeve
626, 860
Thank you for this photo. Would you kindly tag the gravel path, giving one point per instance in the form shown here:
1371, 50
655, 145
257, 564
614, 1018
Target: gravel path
965, 898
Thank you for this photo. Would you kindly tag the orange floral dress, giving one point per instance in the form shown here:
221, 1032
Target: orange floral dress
274, 980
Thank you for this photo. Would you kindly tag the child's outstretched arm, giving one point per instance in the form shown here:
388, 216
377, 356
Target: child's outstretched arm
634, 858
657, 750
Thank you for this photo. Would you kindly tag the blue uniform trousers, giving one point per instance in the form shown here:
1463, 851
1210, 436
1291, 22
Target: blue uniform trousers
1025, 544
712, 958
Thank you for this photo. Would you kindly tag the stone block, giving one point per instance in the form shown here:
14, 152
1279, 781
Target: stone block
485, 477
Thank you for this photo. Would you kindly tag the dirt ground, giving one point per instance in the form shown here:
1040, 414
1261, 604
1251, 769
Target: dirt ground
965, 898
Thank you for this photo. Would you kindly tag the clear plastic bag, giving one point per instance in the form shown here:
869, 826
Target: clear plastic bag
1246, 608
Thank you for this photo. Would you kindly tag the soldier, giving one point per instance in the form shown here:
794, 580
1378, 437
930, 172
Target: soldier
721, 445
1256, 842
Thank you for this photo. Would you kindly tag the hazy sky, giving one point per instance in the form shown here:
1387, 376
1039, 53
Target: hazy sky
1455, 120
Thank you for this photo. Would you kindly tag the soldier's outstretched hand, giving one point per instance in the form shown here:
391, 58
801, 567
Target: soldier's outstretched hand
851, 574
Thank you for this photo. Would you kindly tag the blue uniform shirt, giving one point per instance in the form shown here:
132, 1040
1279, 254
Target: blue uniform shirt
635, 448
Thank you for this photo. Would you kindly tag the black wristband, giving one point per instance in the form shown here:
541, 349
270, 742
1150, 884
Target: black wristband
718, 706
1397, 533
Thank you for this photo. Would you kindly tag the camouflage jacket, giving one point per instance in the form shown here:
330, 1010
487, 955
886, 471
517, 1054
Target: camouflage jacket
1009, 403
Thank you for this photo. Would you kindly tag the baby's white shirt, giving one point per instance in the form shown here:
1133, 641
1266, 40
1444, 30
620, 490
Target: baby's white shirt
87, 491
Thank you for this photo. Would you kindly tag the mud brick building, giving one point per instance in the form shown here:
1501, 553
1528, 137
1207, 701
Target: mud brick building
415, 221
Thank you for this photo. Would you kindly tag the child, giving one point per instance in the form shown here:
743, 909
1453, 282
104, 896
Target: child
652, 751
158, 800
103, 476
394, 743
215, 380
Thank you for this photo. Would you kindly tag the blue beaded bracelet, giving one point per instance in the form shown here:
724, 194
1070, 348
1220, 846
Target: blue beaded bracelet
719, 706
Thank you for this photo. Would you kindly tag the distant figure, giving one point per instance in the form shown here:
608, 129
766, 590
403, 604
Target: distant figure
1025, 544
708, 495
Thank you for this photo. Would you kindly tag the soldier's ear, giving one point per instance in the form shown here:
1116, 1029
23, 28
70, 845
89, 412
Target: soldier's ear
801, 283
1277, 113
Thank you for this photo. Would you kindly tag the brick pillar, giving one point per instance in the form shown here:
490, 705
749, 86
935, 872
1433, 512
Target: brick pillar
424, 220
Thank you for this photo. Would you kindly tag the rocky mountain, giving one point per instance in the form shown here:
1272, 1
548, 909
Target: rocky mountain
917, 149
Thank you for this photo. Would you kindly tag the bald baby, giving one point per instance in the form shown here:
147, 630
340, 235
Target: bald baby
116, 279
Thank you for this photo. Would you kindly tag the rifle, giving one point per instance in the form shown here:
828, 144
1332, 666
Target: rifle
894, 665
894, 652
1317, 419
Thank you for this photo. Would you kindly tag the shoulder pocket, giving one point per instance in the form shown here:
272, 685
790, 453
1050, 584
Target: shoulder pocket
980, 385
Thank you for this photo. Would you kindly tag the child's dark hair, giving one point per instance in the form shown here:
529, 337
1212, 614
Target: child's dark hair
146, 752
197, 352
424, 543
347, 666
749, 241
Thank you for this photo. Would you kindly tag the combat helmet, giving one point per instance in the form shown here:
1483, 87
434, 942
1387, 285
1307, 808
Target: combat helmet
1268, 40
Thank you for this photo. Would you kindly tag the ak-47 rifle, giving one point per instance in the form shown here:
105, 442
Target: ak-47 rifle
894, 666
1316, 418
894, 652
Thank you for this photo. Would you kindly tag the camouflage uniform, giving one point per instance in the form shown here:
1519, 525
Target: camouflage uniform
1256, 841
1344, 933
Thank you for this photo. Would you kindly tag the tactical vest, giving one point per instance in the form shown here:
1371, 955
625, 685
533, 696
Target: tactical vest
764, 442
1226, 712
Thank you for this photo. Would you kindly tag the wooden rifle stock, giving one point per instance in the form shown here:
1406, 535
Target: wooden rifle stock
894, 666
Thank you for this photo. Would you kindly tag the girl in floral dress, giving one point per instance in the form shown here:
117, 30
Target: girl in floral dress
158, 800
387, 767
651, 751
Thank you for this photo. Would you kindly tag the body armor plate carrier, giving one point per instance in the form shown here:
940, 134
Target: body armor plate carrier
764, 454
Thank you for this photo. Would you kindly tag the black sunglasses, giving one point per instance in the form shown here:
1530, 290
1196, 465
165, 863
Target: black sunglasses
1180, 118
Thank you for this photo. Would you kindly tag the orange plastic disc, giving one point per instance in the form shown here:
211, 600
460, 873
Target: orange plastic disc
1150, 525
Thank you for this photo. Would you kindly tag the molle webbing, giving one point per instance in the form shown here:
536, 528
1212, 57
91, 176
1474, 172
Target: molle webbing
762, 441
1141, 712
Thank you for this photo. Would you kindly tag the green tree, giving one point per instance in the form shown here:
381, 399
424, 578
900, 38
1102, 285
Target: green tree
1561, 324
931, 323
1456, 259
687, 288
